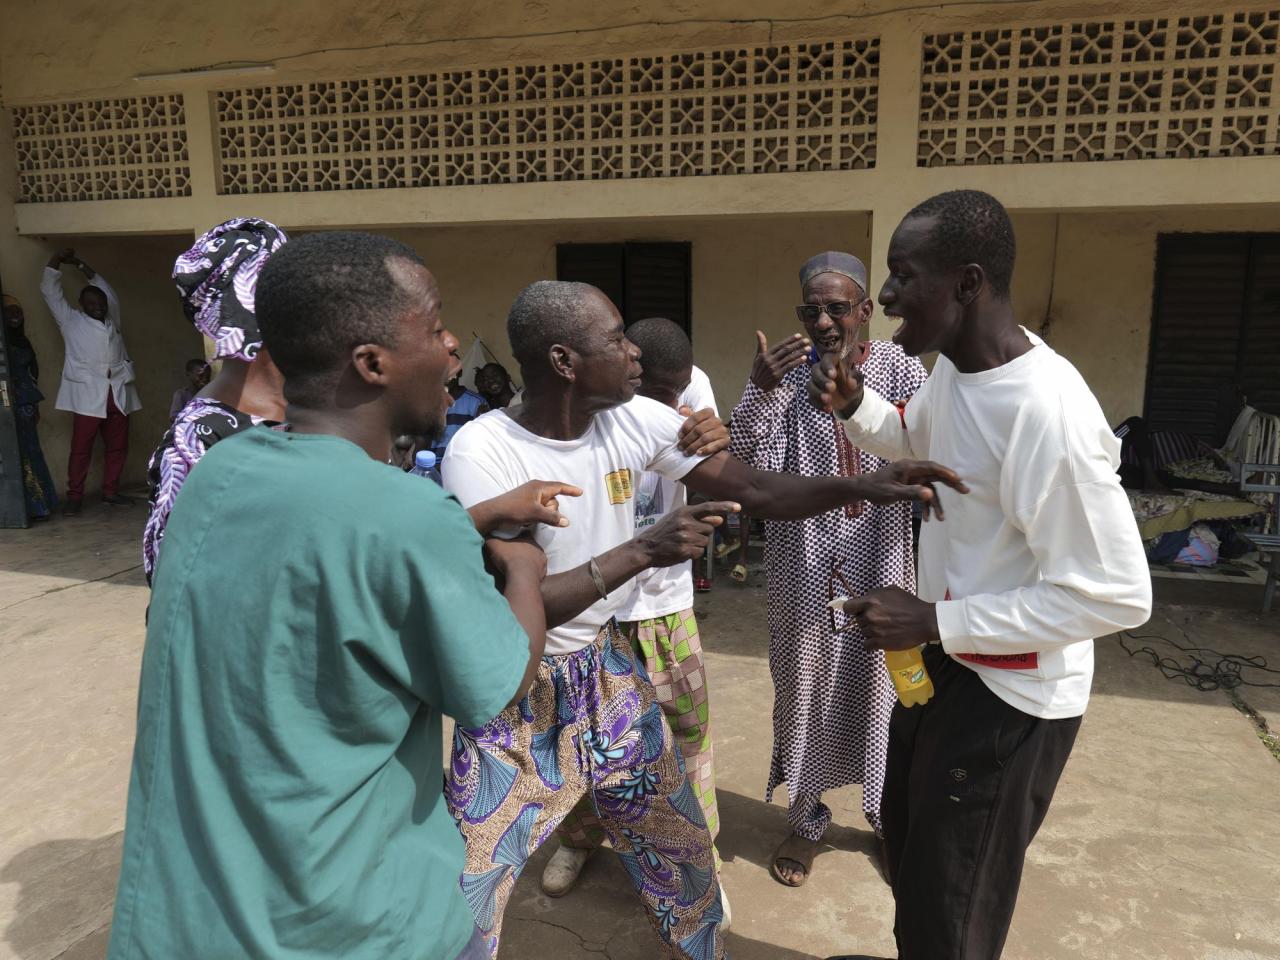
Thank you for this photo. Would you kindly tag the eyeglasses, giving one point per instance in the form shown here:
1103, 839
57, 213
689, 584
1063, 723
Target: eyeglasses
839, 586
836, 310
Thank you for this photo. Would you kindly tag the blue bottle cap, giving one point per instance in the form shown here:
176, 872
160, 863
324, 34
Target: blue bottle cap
425, 460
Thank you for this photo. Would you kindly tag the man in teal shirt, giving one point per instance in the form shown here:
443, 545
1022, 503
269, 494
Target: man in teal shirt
315, 615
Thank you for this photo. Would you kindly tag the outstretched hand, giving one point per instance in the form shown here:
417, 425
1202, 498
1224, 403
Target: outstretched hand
683, 534
773, 363
528, 504
836, 384
912, 480
703, 434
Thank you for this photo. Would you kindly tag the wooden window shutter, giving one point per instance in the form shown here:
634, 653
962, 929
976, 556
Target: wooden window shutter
599, 264
658, 282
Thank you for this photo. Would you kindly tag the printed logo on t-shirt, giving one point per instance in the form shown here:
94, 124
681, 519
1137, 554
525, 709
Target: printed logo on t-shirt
649, 500
1003, 661
999, 661
618, 485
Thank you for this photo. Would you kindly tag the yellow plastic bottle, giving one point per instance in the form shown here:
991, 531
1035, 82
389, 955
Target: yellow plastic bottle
910, 678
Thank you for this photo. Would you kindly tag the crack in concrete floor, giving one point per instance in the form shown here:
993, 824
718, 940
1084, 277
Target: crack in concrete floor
601, 949
69, 586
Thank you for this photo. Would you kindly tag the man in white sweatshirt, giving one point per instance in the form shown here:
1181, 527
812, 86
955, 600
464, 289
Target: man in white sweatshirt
1041, 557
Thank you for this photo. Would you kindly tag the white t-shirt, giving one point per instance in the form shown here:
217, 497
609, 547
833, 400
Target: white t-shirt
1043, 554
665, 590
493, 454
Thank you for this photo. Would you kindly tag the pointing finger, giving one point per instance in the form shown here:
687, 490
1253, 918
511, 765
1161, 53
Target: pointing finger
716, 508
555, 488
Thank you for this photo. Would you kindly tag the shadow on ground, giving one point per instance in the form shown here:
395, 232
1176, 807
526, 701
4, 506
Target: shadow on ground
752, 830
64, 898
104, 543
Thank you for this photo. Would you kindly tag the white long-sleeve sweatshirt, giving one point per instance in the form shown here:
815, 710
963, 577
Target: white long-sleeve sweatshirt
1043, 554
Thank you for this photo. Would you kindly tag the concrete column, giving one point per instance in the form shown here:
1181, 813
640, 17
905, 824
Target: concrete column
896, 133
201, 148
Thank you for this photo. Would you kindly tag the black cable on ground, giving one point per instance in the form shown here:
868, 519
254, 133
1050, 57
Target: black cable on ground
1208, 669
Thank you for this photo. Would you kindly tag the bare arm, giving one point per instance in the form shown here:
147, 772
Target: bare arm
520, 564
567, 594
523, 593
785, 496
680, 535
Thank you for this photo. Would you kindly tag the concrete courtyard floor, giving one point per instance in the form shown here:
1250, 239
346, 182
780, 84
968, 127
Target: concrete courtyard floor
1163, 840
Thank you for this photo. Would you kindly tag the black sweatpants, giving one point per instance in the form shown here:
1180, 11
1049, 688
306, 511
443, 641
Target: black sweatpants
968, 782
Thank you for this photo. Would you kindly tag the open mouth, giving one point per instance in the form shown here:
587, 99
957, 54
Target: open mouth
453, 371
828, 342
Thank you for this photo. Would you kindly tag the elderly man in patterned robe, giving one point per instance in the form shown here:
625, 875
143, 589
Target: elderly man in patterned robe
832, 698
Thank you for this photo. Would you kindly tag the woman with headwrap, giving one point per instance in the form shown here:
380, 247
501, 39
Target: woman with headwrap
37, 483
217, 279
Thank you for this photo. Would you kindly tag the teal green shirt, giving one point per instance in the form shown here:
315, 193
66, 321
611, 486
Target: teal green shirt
314, 615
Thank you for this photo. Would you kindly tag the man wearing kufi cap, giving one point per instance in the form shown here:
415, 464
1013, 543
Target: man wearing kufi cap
832, 698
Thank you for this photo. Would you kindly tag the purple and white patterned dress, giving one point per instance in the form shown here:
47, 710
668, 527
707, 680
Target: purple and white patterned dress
199, 425
832, 699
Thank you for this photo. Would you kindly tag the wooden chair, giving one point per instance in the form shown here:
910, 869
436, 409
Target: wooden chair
1265, 478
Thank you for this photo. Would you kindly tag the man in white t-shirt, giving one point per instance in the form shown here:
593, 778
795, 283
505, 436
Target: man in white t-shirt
658, 620
591, 724
1039, 559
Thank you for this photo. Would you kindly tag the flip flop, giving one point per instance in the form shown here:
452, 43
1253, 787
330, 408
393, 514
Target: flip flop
798, 850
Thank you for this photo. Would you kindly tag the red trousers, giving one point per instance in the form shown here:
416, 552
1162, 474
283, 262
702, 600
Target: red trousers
114, 428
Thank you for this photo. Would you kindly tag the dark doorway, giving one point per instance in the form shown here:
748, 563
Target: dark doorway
642, 279
1215, 332
13, 504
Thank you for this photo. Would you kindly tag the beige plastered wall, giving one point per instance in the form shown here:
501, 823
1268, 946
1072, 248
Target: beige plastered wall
1099, 269
158, 337
744, 277
1087, 230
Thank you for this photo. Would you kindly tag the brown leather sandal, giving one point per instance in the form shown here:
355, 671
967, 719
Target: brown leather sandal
799, 851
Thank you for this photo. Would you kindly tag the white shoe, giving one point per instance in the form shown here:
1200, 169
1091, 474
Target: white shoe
562, 870
725, 909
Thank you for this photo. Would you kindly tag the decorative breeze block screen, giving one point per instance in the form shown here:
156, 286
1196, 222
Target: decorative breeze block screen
793, 107
124, 149
1195, 86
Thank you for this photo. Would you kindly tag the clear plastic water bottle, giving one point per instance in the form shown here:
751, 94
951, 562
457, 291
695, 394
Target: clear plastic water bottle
424, 465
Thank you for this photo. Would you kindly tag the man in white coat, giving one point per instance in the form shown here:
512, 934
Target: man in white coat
97, 378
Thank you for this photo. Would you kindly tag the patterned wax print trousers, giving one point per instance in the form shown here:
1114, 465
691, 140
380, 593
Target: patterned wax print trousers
589, 727
671, 651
